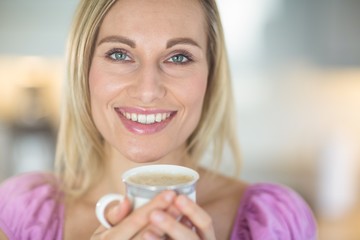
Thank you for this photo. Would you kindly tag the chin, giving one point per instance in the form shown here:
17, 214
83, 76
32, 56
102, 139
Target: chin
143, 157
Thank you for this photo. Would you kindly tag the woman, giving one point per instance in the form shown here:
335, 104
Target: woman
148, 83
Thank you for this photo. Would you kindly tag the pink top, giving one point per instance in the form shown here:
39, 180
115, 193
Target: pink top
31, 208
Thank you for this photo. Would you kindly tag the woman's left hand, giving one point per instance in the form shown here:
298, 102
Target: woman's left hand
195, 216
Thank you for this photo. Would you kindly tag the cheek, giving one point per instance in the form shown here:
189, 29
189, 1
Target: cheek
195, 92
95, 82
98, 84
192, 102
97, 92
95, 79
104, 86
193, 97
103, 90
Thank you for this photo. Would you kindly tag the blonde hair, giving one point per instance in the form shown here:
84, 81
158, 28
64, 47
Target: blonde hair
217, 124
80, 148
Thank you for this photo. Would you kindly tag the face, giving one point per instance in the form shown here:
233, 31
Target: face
148, 77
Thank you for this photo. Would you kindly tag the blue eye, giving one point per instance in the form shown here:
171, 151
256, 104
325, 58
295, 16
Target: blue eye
118, 55
179, 59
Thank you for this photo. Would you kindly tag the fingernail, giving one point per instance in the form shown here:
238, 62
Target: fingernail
157, 216
174, 212
149, 236
115, 210
169, 196
181, 200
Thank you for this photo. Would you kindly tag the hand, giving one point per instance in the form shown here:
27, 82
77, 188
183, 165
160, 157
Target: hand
129, 224
193, 216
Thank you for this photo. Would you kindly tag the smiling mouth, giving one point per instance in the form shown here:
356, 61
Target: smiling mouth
146, 118
144, 122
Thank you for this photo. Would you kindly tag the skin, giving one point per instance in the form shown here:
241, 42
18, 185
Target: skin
159, 64
148, 78
2, 236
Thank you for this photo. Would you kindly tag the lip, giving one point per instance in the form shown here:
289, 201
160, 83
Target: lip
141, 128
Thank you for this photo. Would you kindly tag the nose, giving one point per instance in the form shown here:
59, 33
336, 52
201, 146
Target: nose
147, 85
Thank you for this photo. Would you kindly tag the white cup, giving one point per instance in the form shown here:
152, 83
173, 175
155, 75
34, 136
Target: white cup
141, 193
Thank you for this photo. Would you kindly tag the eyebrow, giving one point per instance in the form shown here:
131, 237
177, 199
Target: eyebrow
176, 41
118, 39
132, 44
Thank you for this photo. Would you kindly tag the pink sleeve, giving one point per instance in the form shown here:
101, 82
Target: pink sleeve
273, 212
30, 207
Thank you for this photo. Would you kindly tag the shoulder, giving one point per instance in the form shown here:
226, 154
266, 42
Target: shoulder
28, 187
219, 196
214, 188
29, 204
271, 211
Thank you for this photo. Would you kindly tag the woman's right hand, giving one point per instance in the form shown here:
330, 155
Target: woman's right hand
128, 224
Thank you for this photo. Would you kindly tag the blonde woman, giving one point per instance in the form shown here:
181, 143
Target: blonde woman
148, 83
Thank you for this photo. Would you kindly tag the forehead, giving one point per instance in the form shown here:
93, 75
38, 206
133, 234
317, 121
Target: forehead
154, 19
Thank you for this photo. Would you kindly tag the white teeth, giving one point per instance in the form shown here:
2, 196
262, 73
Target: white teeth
134, 117
146, 118
150, 118
158, 117
142, 118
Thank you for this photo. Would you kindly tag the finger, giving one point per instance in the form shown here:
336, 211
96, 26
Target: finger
171, 226
185, 221
139, 218
118, 212
173, 211
115, 214
150, 235
153, 232
156, 233
197, 216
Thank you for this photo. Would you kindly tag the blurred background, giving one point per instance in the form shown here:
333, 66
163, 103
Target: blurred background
296, 72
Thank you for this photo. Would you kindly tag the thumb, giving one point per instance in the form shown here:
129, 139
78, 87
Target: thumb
119, 212
115, 214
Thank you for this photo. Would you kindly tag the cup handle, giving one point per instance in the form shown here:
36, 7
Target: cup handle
102, 204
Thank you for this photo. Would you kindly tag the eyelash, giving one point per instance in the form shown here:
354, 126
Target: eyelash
184, 53
114, 51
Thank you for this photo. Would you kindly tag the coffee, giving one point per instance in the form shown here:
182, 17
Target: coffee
160, 179
145, 182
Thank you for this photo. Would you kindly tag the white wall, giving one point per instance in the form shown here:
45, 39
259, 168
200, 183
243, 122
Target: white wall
35, 27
